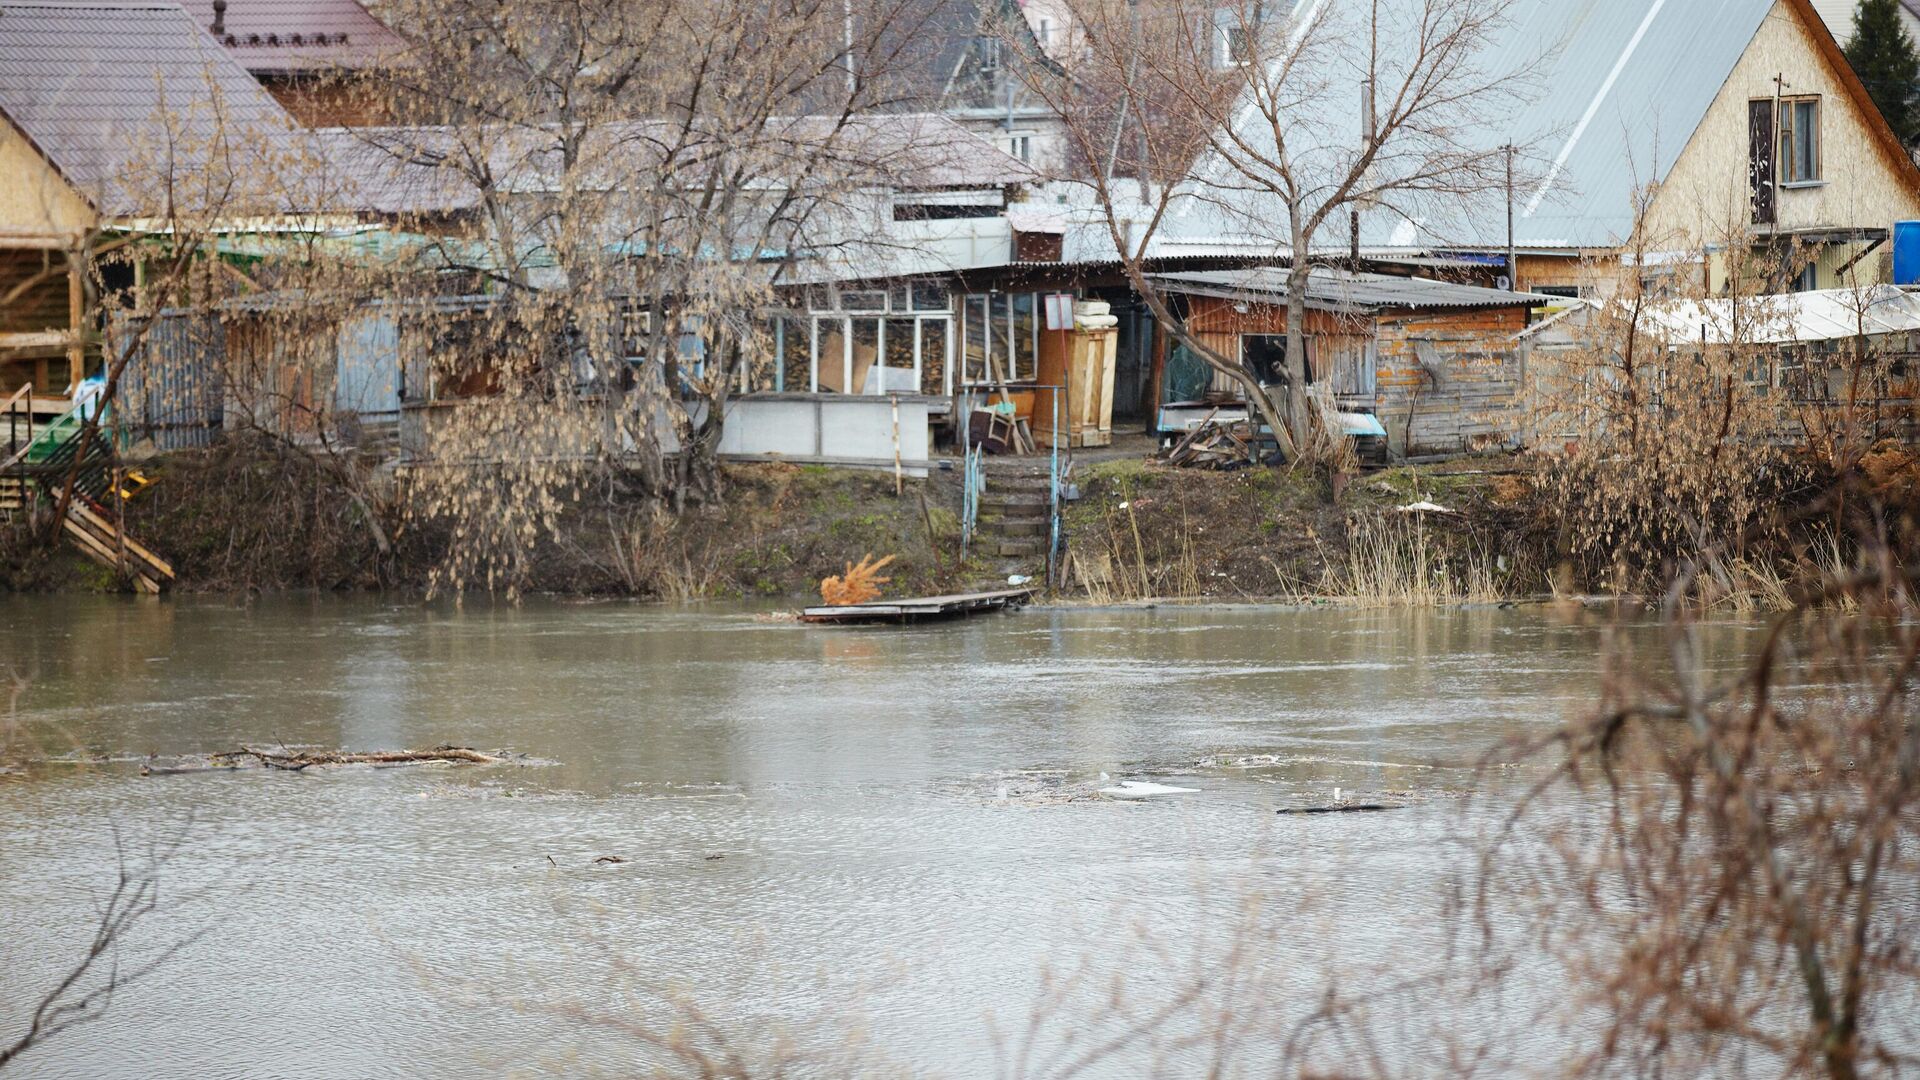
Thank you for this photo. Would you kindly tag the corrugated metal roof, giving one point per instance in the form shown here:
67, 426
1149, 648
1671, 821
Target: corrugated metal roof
399, 168
1609, 91
294, 35
1823, 315
104, 90
1340, 290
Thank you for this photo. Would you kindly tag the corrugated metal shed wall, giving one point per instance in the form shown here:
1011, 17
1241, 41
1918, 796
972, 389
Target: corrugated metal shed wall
171, 391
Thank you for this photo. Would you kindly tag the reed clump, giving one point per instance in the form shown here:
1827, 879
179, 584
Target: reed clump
1399, 560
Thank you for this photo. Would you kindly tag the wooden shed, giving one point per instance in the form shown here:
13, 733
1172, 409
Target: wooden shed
1435, 361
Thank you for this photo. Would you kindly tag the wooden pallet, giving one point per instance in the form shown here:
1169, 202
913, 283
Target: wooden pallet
920, 607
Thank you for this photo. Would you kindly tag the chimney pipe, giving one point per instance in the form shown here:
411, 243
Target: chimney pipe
219, 18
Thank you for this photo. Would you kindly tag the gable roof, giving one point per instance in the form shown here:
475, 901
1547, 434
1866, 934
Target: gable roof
1614, 91
269, 36
101, 88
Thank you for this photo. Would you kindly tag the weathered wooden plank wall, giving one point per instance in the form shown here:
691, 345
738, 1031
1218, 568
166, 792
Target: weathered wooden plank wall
1219, 323
1448, 382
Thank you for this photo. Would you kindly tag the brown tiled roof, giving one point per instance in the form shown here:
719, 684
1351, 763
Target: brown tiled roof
103, 90
298, 35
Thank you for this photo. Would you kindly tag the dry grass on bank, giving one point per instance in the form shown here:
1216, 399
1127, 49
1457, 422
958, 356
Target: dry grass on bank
1145, 531
1400, 561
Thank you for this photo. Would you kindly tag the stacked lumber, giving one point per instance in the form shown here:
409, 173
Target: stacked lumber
1217, 444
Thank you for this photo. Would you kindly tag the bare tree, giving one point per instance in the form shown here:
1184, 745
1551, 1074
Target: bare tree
619, 191
1660, 429
1273, 123
86, 990
1743, 898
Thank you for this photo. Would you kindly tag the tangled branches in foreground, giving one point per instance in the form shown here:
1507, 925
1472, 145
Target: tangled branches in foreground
1742, 892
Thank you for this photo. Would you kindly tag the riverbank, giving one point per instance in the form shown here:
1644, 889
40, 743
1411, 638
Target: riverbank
259, 518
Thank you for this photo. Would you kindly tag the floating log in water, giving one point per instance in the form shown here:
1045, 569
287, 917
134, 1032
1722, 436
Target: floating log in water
1347, 808
297, 762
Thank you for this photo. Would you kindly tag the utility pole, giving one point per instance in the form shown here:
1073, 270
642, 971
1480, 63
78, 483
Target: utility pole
1513, 268
846, 6
1369, 129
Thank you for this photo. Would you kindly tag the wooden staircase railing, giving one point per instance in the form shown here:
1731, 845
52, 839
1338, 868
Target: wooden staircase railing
51, 452
105, 543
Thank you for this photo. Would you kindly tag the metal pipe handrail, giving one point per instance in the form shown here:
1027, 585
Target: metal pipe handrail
12, 409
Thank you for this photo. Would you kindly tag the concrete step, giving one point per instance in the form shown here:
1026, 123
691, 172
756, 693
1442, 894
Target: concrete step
1008, 528
1018, 485
1029, 548
1016, 505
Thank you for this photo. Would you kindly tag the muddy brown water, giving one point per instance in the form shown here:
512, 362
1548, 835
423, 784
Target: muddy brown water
876, 838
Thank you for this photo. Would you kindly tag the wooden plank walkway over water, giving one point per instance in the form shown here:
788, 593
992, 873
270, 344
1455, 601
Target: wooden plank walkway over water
915, 609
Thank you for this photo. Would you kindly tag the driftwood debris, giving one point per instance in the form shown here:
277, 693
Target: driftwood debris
1341, 808
295, 762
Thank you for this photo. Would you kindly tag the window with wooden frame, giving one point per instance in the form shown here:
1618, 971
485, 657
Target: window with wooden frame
1800, 140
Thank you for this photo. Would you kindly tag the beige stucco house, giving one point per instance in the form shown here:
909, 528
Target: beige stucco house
1791, 155
1781, 156
1651, 137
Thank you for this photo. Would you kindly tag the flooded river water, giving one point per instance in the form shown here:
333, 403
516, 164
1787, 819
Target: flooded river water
871, 838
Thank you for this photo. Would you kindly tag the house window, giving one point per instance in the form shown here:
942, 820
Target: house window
1236, 46
986, 51
1799, 140
1000, 338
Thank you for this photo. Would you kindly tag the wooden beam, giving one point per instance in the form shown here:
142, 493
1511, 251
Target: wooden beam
37, 241
76, 318
34, 339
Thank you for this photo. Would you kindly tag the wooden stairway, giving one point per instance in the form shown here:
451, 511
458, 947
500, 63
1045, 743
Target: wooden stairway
46, 457
103, 542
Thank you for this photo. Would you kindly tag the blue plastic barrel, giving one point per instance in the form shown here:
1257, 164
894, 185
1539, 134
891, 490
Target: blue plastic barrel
1906, 253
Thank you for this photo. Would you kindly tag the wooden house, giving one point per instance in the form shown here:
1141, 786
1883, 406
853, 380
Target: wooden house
85, 132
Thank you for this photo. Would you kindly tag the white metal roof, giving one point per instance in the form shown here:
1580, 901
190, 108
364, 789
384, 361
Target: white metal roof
1825, 315
1611, 92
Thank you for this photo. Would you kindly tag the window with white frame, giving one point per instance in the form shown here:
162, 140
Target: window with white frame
1236, 46
869, 340
986, 52
1800, 140
1000, 337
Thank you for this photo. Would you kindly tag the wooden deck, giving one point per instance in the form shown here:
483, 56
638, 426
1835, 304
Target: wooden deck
918, 608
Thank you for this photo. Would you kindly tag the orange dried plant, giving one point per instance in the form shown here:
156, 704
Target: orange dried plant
858, 585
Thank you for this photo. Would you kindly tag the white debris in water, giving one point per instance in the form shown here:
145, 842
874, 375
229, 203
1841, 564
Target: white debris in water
1145, 789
